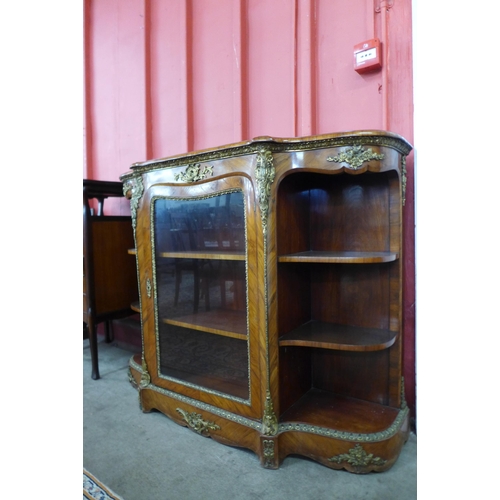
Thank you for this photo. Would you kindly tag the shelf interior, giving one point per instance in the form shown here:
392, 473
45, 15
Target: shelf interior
216, 362
338, 241
238, 388
325, 409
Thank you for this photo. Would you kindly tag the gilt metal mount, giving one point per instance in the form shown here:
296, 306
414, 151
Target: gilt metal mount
269, 421
194, 173
145, 377
357, 457
268, 445
264, 173
356, 156
133, 190
196, 422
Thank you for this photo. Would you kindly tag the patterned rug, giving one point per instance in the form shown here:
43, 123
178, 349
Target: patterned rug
93, 489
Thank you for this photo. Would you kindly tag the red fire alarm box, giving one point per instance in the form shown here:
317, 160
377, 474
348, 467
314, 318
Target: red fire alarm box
367, 56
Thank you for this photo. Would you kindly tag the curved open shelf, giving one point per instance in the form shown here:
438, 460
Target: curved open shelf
326, 409
313, 256
339, 337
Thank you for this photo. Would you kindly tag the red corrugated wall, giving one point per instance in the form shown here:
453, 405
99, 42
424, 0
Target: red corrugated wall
169, 76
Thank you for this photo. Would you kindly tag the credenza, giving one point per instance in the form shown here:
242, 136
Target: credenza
270, 283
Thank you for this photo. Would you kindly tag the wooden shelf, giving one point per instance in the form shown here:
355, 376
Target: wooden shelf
135, 306
236, 388
341, 413
338, 337
219, 322
313, 256
205, 254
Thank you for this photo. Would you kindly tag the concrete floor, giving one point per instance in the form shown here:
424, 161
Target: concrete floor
145, 456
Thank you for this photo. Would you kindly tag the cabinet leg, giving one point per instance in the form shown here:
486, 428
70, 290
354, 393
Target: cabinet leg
93, 348
109, 331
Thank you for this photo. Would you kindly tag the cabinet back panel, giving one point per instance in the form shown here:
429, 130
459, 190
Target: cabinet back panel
358, 375
293, 215
295, 375
350, 213
357, 295
294, 296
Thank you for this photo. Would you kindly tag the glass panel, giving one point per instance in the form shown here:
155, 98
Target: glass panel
201, 292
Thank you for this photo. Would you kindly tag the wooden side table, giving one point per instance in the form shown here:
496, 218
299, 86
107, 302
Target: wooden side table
109, 271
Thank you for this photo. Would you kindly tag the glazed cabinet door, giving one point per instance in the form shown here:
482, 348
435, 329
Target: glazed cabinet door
197, 329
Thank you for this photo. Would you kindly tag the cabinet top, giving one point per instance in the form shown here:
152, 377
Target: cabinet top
276, 145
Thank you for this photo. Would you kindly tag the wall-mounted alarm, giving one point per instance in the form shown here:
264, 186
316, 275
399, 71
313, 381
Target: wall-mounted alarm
367, 56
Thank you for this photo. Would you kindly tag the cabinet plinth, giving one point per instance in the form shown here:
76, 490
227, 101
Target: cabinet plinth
270, 279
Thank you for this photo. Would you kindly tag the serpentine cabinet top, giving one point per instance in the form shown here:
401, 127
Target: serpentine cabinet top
275, 145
